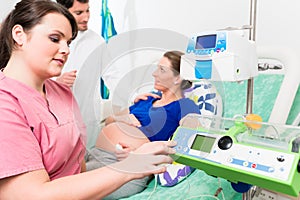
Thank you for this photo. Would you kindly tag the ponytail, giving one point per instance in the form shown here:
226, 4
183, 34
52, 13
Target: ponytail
185, 84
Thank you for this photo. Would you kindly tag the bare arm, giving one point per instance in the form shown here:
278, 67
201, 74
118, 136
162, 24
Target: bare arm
36, 185
67, 78
112, 119
124, 115
92, 184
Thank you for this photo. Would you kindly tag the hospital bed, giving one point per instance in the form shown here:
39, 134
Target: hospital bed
94, 109
267, 101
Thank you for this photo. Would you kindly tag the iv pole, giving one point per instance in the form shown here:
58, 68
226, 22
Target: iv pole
250, 84
252, 35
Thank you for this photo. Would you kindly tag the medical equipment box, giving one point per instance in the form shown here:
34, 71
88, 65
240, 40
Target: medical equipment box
267, 156
219, 56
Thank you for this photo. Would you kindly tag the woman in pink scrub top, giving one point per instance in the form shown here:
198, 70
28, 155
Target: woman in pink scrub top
42, 136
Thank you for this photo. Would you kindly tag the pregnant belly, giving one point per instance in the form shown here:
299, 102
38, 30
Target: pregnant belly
117, 133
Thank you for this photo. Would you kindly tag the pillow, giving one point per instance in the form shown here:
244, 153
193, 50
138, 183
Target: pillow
174, 174
206, 96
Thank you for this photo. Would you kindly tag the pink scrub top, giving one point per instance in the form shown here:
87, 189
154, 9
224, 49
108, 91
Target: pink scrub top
36, 133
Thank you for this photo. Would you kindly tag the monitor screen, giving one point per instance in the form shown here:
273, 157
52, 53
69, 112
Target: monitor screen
203, 143
206, 41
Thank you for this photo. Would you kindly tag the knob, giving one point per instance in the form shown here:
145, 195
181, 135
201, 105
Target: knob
280, 158
225, 142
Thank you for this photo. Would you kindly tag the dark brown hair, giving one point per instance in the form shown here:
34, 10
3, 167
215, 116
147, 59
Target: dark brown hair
28, 14
69, 3
175, 59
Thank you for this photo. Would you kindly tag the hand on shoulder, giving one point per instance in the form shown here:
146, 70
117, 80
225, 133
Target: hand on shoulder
145, 96
67, 78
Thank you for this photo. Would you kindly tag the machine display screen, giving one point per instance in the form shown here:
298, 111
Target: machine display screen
206, 41
203, 143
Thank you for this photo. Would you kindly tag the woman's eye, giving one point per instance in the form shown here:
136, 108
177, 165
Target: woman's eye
54, 39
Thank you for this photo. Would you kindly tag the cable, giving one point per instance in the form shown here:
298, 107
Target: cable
220, 186
215, 196
203, 195
155, 186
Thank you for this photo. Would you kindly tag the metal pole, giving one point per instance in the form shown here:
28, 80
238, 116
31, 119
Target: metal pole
250, 86
252, 36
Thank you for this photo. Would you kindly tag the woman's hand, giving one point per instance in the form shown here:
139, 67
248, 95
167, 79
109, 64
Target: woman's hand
145, 97
148, 159
122, 151
67, 78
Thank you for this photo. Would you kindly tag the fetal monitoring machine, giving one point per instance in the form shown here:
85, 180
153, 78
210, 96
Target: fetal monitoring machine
239, 150
220, 56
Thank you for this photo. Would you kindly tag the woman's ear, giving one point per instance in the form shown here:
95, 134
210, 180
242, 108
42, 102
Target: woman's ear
177, 80
18, 34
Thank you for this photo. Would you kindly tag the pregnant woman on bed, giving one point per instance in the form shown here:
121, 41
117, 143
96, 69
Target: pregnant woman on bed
153, 119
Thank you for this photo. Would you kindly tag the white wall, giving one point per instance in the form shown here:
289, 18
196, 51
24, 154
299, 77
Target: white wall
277, 23
5, 7
277, 20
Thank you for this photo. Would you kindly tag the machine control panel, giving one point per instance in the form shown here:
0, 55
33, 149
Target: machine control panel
207, 44
222, 150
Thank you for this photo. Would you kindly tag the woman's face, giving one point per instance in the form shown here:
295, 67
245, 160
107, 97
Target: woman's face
46, 47
164, 75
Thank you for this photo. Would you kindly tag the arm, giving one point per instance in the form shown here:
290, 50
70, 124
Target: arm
92, 184
127, 118
67, 78
124, 117
112, 119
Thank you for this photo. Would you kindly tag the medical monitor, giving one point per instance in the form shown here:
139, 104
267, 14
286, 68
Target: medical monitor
203, 143
219, 56
206, 41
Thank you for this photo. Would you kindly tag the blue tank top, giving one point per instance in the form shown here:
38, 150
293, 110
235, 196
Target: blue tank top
159, 123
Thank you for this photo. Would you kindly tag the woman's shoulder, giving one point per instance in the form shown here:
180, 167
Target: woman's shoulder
55, 84
189, 104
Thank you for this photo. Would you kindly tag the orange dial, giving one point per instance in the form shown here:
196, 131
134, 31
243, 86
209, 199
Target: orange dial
254, 118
